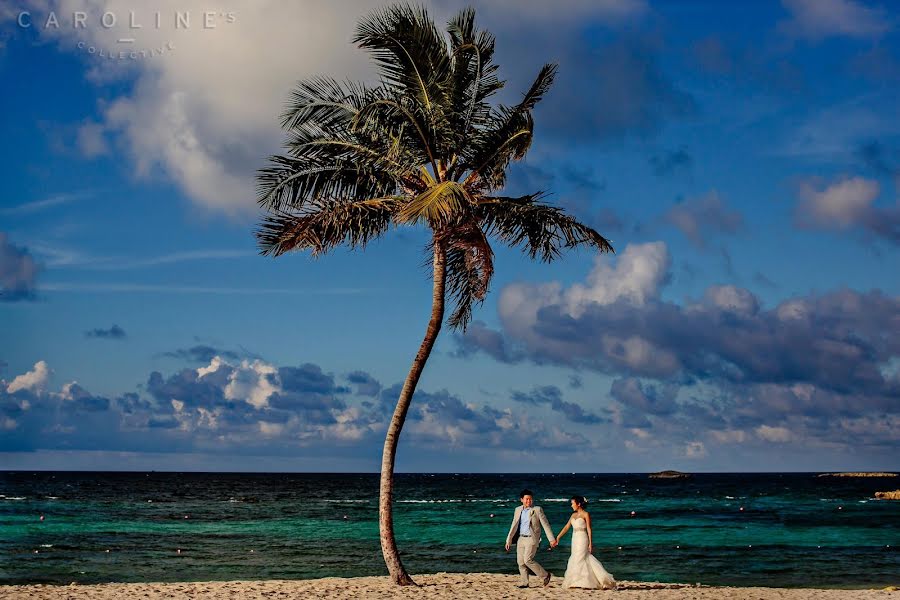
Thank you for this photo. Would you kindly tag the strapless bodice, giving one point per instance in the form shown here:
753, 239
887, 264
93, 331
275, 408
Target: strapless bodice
579, 524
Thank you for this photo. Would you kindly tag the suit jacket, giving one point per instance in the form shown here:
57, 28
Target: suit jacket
538, 520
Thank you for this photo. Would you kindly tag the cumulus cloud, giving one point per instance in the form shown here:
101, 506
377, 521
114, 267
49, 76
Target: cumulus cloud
32, 380
255, 407
439, 419
252, 383
774, 434
701, 218
481, 338
618, 323
551, 396
818, 19
18, 272
847, 204
547, 316
731, 298
113, 333
204, 112
639, 402
818, 365
366, 385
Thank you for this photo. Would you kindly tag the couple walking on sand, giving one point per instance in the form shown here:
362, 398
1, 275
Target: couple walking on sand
583, 570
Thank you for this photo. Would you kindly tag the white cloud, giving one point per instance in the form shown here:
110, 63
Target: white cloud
774, 434
638, 354
793, 309
349, 425
840, 205
66, 391
213, 366
817, 19
729, 436
205, 112
208, 418
252, 383
732, 298
33, 380
695, 450
635, 277
268, 429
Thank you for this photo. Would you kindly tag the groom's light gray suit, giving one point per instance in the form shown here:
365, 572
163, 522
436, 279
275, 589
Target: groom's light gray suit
527, 547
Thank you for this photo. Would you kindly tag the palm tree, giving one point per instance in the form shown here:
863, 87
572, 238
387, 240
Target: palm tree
424, 147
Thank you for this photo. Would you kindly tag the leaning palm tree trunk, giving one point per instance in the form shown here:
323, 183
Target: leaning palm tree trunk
385, 499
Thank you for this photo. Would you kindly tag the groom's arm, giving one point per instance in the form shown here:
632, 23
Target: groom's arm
512, 529
546, 525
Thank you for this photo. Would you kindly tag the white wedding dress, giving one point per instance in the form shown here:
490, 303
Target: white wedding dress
583, 570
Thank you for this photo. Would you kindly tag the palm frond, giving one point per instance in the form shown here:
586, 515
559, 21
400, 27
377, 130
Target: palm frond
438, 205
469, 267
293, 183
354, 223
474, 76
540, 229
507, 136
324, 103
400, 121
408, 48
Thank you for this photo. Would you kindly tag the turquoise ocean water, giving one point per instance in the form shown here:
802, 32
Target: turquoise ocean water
794, 529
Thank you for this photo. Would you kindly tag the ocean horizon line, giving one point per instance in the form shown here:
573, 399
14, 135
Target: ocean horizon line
545, 473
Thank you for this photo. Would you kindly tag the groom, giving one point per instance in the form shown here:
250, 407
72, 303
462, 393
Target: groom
525, 532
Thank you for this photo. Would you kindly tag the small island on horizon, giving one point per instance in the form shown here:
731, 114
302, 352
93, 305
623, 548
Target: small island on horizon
670, 474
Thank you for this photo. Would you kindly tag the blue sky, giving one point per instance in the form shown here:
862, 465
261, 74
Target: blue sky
748, 177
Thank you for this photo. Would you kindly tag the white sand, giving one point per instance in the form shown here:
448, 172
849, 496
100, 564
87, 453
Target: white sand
477, 586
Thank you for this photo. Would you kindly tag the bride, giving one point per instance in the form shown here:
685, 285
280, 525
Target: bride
583, 570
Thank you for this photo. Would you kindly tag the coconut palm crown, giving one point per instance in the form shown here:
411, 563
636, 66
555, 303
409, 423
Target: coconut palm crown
423, 147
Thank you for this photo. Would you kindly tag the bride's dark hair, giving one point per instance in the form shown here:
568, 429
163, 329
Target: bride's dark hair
580, 501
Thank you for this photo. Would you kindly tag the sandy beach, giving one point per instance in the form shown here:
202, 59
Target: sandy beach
478, 586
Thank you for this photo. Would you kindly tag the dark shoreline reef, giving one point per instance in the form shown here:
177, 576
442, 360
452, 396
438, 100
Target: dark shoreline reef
858, 474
